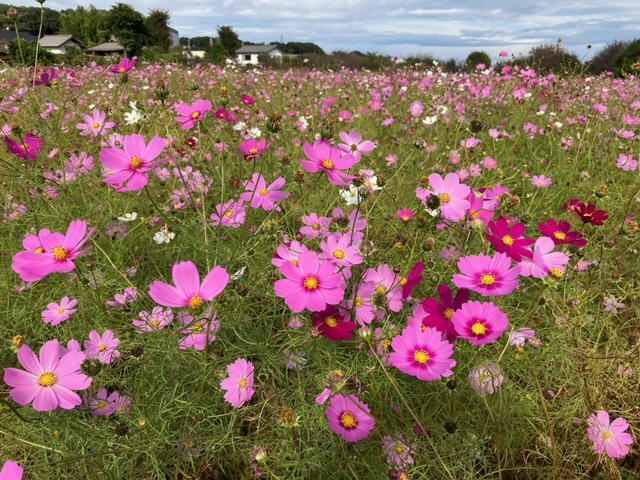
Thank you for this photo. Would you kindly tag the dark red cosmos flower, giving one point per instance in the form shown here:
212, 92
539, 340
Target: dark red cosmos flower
332, 324
438, 315
510, 241
561, 233
412, 280
589, 214
222, 114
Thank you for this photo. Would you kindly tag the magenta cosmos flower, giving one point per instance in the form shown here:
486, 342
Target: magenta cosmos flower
125, 65
239, 383
188, 292
446, 195
262, 196
29, 148
190, 115
253, 148
56, 254
510, 240
56, 313
350, 418
561, 233
486, 275
310, 284
11, 471
480, 323
323, 157
609, 437
130, 165
422, 354
48, 381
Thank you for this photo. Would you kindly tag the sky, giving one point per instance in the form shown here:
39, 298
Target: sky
440, 28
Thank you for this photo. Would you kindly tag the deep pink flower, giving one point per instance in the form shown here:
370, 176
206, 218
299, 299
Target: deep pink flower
28, 148
486, 275
439, 315
353, 144
412, 280
248, 100
188, 292
56, 254
47, 77
323, 157
253, 148
239, 382
11, 471
262, 196
609, 437
510, 240
49, 380
103, 347
589, 214
480, 323
422, 354
405, 215
311, 284
350, 418
130, 165
58, 313
446, 195
96, 124
331, 323
125, 65
190, 115
561, 233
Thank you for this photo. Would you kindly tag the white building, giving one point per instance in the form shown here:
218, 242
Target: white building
248, 54
59, 44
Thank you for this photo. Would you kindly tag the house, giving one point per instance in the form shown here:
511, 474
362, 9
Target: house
105, 49
248, 54
59, 44
7, 36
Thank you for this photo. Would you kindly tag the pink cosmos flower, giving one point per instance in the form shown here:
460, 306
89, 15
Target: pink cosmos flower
239, 383
315, 226
103, 347
96, 124
56, 254
627, 162
262, 196
190, 115
229, 214
188, 292
486, 275
123, 300
609, 437
405, 215
323, 157
350, 418
28, 148
11, 471
49, 380
199, 332
447, 195
248, 100
125, 65
480, 323
523, 335
158, 319
510, 240
130, 165
58, 313
545, 261
253, 148
541, 181
398, 450
288, 253
387, 286
486, 379
439, 315
354, 145
422, 354
104, 403
339, 250
416, 108
311, 284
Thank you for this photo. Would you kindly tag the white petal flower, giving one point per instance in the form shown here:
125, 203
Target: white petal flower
128, 217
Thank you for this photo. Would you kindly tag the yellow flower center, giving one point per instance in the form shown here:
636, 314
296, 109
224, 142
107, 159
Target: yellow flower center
136, 162
198, 328
508, 240
253, 151
311, 282
102, 405
39, 250
196, 302
559, 235
556, 273
316, 227
339, 254
403, 281
399, 449
479, 329
96, 125
487, 279
348, 420
607, 435
155, 323
448, 313
421, 357
359, 302
61, 311
331, 322
195, 115
243, 383
381, 289
60, 253
405, 218
295, 262
328, 164
47, 379
103, 347
445, 198
229, 214
264, 192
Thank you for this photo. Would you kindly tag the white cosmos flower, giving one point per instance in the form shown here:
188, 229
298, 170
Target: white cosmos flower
164, 236
134, 117
128, 217
352, 195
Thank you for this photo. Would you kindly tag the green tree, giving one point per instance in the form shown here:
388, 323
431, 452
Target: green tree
128, 26
24, 53
603, 60
197, 43
476, 58
628, 60
157, 24
229, 39
29, 20
90, 26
